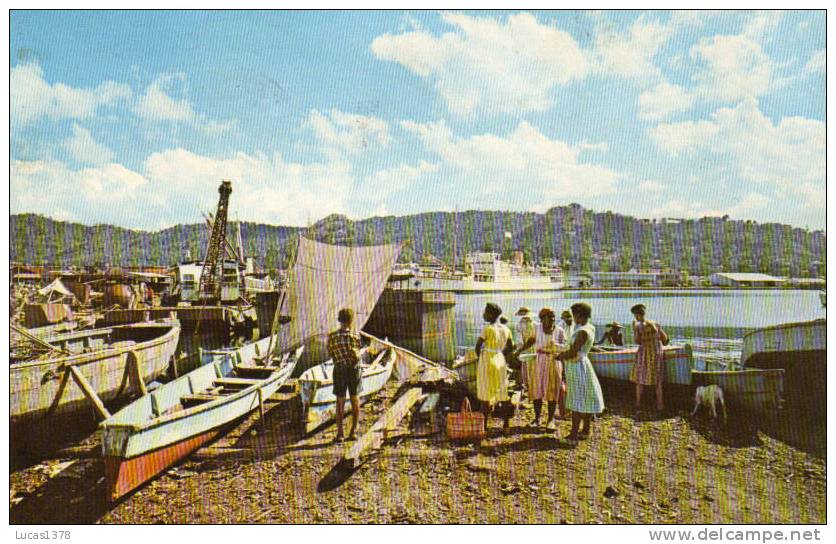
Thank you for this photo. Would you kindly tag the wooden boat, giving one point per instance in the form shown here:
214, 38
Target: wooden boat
617, 363
801, 350
753, 389
318, 400
465, 367
105, 361
161, 428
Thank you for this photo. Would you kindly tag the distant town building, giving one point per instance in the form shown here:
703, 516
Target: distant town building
649, 277
745, 279
807, 283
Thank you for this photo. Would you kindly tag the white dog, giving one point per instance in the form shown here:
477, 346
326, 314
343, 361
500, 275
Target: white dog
710, 396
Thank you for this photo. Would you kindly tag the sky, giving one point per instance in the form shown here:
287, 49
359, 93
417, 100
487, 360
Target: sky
134, 118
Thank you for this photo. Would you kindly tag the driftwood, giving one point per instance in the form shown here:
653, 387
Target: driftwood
375, 436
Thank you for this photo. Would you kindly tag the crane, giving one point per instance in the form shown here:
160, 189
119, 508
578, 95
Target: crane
210, 277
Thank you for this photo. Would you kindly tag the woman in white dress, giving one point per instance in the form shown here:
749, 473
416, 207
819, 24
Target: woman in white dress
584, 396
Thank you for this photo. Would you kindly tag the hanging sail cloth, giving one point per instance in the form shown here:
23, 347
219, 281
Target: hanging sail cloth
324, 279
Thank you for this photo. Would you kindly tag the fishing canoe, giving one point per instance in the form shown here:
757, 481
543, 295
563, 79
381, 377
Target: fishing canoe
617, 364
753, 389
161, 428
318, 401
106, 360
801, 350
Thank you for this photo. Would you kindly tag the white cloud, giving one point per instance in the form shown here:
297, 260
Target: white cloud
663, 101
650, 186
173, 186
524, 158
157, 105
32, 98
383, 183
790, 154
817, 62
762, 24
83, 148
686, 136
688, 209
510, 66
348, 132
731, 68
631, 54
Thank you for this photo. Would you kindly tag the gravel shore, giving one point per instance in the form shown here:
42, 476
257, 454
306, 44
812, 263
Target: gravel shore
635, 468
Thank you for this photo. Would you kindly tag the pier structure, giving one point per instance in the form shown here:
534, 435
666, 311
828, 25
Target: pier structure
421, 321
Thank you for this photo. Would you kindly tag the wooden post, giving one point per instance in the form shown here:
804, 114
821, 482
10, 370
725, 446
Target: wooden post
387, 422
261, 409
88, 391
136, 373
64, 379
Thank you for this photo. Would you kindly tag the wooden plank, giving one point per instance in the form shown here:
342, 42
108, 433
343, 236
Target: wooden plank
236, 381
88, 391
387, 422
199, 397
36, 340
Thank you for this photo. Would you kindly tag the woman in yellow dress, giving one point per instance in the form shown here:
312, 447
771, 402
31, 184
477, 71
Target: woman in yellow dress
492, 370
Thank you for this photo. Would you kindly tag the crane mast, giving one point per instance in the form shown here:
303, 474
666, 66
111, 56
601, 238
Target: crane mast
210, 277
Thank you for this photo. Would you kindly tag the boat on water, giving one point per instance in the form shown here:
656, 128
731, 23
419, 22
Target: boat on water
484, 272
106, 361
161, 428
316, 384
801, 350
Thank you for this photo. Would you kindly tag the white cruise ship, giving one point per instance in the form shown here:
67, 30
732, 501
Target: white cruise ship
484, 272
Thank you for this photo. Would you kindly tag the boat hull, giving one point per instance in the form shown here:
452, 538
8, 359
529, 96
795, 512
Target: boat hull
125, 475
617, 365
752, 389
801, 350
319, 401
35, 387
469, 285
154, 432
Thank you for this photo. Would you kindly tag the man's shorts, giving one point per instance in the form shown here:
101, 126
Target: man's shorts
347, 378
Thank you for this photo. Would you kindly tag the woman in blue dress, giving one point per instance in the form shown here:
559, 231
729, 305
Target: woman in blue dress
584, 395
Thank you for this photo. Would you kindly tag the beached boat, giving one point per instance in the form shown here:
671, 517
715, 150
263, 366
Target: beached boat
608, 363
104, 363
318, 400
801, 350
161, 428
753, 389
617, 363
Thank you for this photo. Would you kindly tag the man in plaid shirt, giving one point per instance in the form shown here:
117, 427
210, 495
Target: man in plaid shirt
344, 350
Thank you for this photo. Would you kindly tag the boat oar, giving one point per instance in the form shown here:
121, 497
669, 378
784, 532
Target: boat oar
36, 340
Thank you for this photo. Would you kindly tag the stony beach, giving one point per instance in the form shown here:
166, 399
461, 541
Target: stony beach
635, 468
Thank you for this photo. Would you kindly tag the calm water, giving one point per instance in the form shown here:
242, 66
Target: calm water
713, 322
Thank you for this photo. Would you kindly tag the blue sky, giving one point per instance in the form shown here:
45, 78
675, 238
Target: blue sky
133, 118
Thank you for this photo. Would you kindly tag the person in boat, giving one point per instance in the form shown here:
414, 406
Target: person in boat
648, 369
583, 396
526, 329
566, 323
492, 369
545, 376
344, 350
612, 335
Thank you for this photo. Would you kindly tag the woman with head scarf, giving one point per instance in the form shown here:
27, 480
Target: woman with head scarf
545, 373
583, 396
649, 367
492, 369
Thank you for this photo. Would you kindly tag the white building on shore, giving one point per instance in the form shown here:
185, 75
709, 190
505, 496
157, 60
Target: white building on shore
745, 279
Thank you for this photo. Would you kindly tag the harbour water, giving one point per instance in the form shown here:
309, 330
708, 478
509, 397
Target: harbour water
712, 321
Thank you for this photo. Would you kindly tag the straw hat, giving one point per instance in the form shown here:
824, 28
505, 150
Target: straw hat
614, 325
523, 311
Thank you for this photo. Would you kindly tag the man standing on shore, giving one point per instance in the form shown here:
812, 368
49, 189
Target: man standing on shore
344, 350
